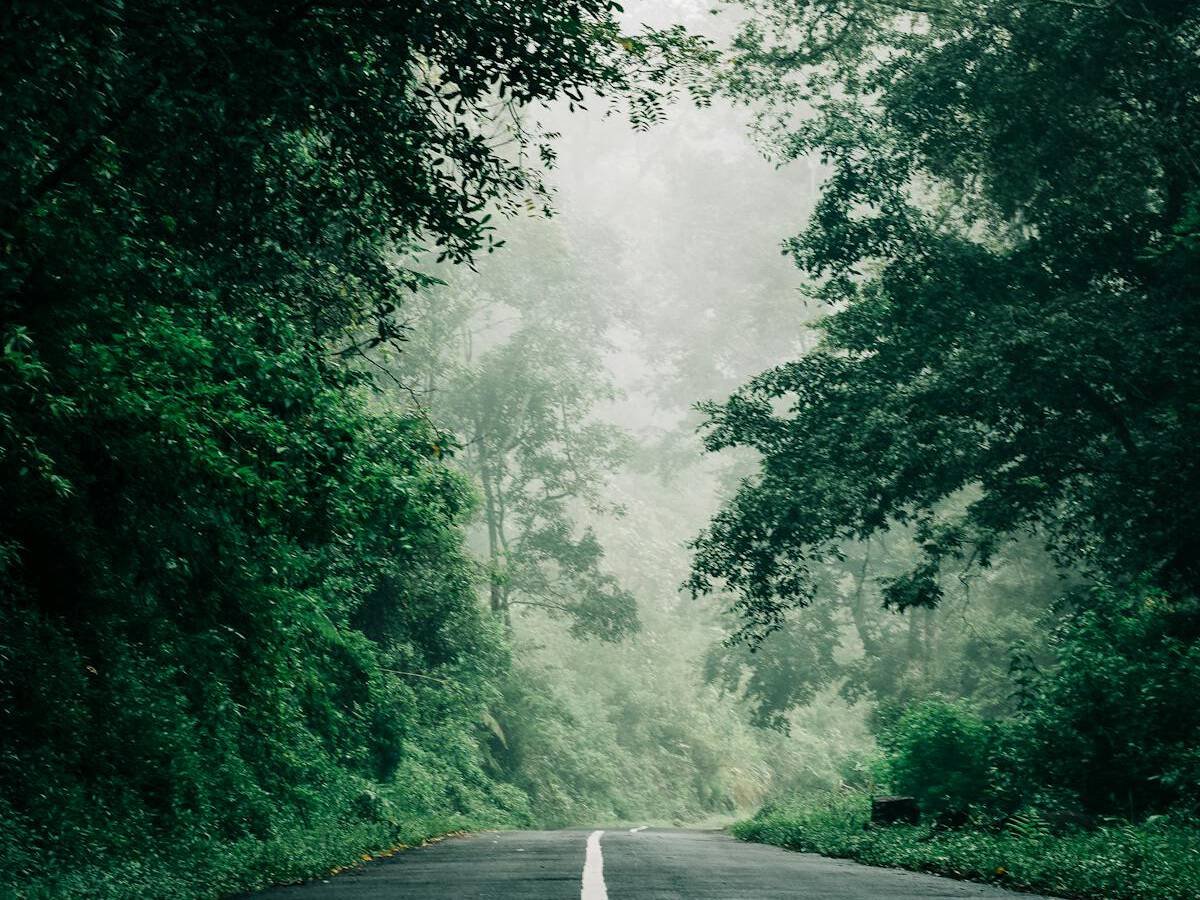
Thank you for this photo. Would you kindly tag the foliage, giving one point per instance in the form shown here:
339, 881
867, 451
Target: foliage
1002, 243
846, 638
609, 733
311, 848
1005, 246
511, 359
238, 628
1109, 721
1156, 860
191, 666
943, 754
780, 675
1089, 790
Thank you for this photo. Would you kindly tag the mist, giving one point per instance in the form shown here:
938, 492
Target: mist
613, 435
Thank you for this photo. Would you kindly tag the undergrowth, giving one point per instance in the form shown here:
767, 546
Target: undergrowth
1158, 859
208, 869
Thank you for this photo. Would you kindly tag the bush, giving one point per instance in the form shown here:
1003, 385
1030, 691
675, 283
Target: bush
1156, 860
1114, 721
942, 753
211, 615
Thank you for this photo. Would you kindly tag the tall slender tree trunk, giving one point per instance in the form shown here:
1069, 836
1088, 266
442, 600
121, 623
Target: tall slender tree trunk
858, 611
497, 587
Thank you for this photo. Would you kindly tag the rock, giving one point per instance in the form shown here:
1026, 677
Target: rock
890, 810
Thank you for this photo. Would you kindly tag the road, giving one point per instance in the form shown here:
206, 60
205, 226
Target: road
646, 864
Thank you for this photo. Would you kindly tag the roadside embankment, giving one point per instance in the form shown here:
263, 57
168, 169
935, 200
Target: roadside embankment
1158, 859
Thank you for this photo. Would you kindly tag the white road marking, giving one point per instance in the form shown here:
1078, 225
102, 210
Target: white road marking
593, 870
639, 828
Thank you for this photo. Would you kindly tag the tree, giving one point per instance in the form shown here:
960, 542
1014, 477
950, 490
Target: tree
233, 595
512, 362
1006, 241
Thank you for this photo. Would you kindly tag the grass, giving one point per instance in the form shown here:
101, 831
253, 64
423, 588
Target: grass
1155, 860
212, 870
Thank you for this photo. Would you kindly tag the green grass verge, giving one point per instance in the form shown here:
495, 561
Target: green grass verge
210, 869
1155, 860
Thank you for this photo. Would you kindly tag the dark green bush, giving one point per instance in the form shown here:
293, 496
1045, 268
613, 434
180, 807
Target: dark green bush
942, 752
1105, 726
1113, 720
1155, 860
228, 594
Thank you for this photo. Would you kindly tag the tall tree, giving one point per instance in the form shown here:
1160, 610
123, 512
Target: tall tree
232, 592
1007, 242
513, 363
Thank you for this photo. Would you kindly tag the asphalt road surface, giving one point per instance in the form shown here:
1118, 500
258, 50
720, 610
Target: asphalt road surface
642, 864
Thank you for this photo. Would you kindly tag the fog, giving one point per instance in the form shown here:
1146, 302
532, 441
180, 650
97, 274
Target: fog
661, 278
432, 418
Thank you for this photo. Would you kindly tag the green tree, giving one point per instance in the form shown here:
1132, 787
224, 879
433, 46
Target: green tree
236, 618
512, 361
848, 638
1006, 241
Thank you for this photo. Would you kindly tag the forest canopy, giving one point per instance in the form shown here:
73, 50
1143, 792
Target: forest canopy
1006, 247
1000, 413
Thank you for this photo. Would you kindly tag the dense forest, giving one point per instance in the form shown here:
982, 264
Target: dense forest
409, 425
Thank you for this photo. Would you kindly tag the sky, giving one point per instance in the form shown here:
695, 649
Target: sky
697, 215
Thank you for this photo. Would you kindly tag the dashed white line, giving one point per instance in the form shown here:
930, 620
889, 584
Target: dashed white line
593, 870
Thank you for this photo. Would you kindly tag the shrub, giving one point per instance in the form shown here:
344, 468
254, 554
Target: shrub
1114, 721
1158, 859
942, 753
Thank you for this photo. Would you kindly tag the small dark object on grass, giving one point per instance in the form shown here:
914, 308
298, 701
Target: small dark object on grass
890, 810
